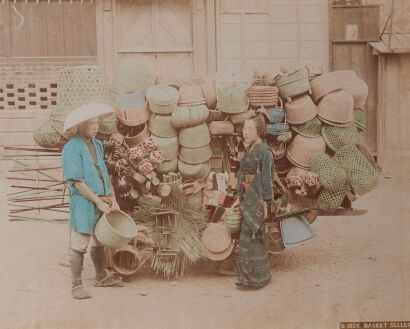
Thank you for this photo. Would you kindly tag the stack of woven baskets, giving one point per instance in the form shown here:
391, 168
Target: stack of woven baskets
326, 115
163, 101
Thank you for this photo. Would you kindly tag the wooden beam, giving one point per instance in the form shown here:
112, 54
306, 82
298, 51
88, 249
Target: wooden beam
211, 36
155, 50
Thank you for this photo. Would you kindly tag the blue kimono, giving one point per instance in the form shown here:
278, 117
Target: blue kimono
254, 268
78, 164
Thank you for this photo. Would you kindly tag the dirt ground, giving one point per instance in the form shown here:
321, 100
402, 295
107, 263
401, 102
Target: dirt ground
356, 269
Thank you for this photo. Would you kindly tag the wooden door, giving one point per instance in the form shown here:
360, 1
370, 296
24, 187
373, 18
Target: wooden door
351, 28
158, 33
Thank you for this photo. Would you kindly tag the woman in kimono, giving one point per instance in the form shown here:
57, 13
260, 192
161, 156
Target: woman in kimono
255, 192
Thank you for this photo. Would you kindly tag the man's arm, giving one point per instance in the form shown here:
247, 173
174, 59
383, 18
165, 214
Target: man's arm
86, 192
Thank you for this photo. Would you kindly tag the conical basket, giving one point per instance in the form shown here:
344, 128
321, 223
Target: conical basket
302, 149
336, 107
300, 110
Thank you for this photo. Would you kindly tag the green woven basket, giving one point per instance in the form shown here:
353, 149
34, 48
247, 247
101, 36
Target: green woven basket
132, 76
311, 128
232, 99
332, 200
293, 85
160, 125
362, 176
360, 118
337, 137
331, 174
162, 99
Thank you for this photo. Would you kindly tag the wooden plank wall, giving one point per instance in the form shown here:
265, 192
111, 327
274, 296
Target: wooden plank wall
47, 29
394, 116
357, 55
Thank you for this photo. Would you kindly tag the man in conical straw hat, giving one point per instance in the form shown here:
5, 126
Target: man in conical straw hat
91, 193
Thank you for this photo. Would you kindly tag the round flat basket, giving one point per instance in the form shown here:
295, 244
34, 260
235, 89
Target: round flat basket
115, 229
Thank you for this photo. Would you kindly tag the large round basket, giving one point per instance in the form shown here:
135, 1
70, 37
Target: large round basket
126, 260
115, 229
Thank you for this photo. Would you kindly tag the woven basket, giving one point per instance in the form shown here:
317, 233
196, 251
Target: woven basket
332, 200
282, 166
300, 110
191, 95
331, 174
115, 229
169, 146
232, 99
276, 129
162, 99
138, 139
293, 85
336, 107
48, 137
194, 137
188, 116
195, 201
167, 166
160, 125
302, 149
220, 128
324, 84
240, 118
337, 137
278, 149
360, 118
362, 176
311, 128
276, 115
215, 115
196, 171
132, 76
195, 155
130, 111
263, 95
233, 221
209, 94
358, 89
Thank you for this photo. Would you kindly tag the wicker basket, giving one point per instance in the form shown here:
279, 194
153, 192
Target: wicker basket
210, 95
263, 95
132, 257
167, 166
196, 171
358, 89
195, 155
115, 229
331, 174
360, 118
189, 116
138, 139
300, 110
220, 128
191, 95
160, 125
233, 221
332, 200
336, 107
276, 129
130, 115
311, 128
168, 146
302, 149
232, 99
240, 118
323, 85
337, 137
294, 84
362, 175
162, 99
194, 137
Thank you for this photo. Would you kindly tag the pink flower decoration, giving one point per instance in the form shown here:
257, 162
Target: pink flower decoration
145, 166
156, 157
302, 191
311, 179
149, 145
137, 152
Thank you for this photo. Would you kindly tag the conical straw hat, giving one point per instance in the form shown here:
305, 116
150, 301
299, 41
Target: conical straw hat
87, 112
302, 149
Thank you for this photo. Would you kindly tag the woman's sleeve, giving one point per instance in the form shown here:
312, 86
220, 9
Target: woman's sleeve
267, 175
72, 163
239, 190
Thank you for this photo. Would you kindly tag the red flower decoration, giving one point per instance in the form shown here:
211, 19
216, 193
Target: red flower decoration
156, 157
145, 166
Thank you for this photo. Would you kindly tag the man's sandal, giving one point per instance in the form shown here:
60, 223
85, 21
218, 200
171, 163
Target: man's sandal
108, 281
78, 292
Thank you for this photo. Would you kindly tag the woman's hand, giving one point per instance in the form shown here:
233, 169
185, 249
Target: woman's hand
102, 206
